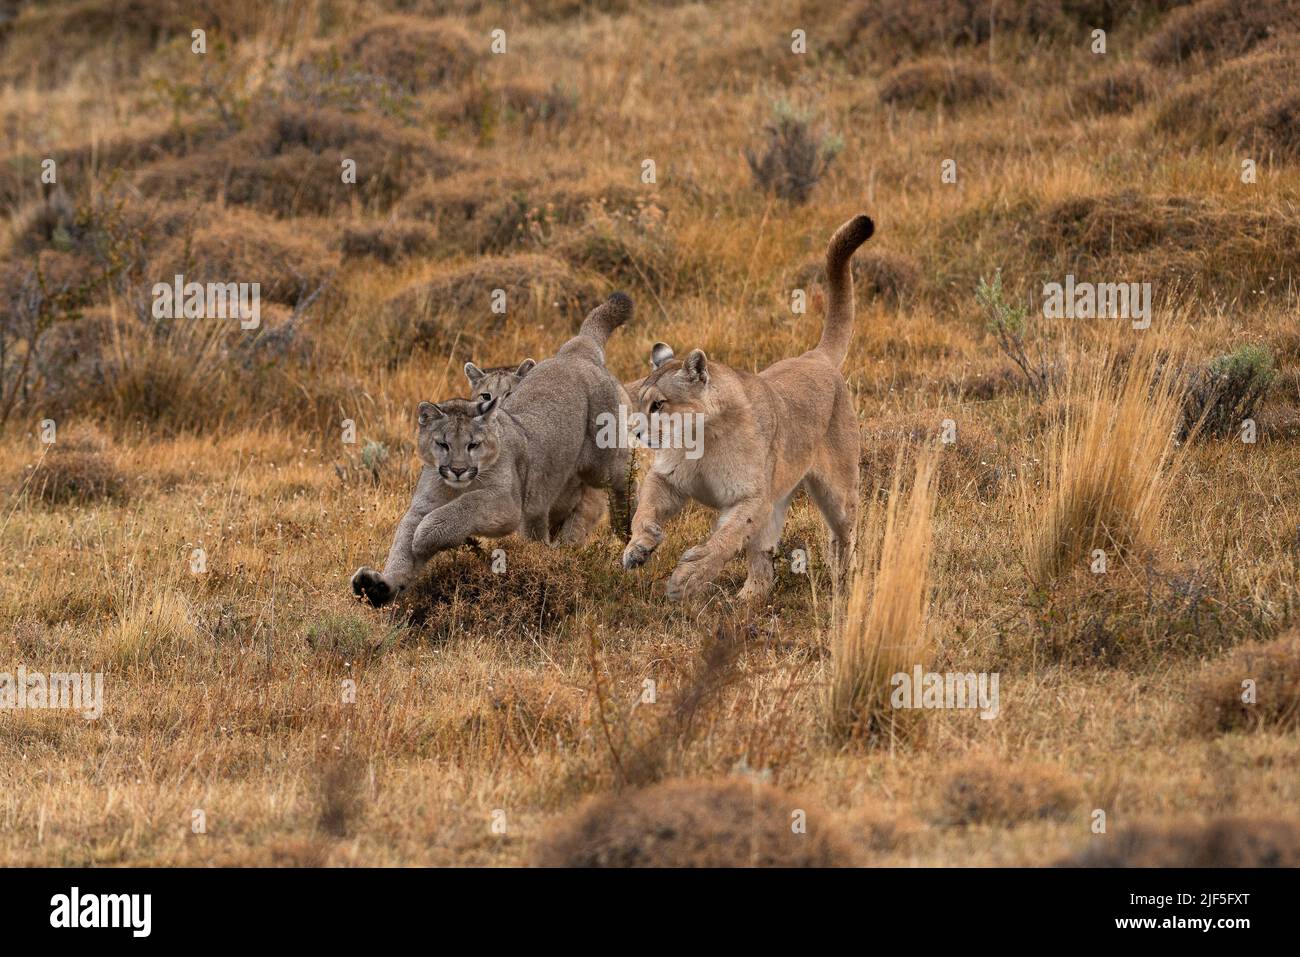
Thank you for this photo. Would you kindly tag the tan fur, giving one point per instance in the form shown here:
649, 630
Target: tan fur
791, 426
491, 470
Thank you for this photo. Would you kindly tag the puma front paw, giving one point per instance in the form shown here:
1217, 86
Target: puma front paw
638, 550
369, 585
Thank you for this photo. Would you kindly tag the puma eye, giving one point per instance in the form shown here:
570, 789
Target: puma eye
656, 405
485, 396
444, 446
472, 446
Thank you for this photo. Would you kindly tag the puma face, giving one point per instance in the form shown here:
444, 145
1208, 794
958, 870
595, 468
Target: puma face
459, 438
674, 387
486, 384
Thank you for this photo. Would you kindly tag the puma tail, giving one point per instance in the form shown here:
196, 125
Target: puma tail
839, 307
607, 317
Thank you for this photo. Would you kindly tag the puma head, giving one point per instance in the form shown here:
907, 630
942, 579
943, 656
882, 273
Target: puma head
496, 383
460, 438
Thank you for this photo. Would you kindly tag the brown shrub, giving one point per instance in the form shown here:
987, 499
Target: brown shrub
494, 210
989, 791
1192, 245
623, 251
531, 104
1250, 103
1220, 29
942, 82
76, 469
895, 29
239, 245
455, 305
1225, 842
412, 53
537, 593
732, 822
1273, 666
1116, 91
71, 358
46, 39
389, 242
879, 273
290, 164
1133, 617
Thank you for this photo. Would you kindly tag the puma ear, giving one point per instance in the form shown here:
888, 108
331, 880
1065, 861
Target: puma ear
525, 367
697, 366
473, 373
659, 354
428, 412
486, 408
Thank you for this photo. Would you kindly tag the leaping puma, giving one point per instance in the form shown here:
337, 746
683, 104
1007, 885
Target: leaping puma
491, 470
792, 425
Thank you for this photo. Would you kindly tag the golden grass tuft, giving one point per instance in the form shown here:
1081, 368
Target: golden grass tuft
988, 791
1223, 701
154, 630
536, 592
1106, 471
882, 629
734, 822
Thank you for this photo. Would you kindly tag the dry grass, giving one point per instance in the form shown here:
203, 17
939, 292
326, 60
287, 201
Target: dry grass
1106, 473
1257, 686
985, 791
943, 83
488, 708
1220, 29
1226, 842
883, 627
727, 823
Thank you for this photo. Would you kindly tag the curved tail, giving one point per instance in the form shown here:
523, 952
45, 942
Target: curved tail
839, 307
607, 317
